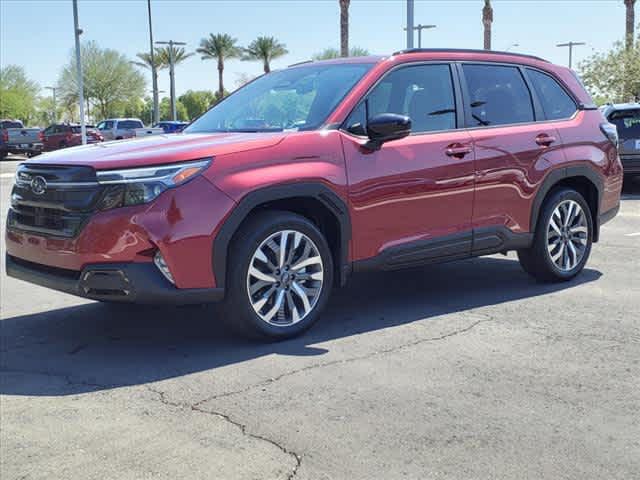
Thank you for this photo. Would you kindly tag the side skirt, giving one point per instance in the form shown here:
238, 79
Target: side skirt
475, 243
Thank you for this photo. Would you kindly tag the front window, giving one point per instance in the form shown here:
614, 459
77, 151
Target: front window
627, 122
298, 98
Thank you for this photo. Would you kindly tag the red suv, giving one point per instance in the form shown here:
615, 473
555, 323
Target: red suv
65, 135
307, 174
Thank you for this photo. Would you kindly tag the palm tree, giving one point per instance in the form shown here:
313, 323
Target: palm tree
219, 47
145, 61
265, 49
630, 22
329, 53
487, 20
344, 28
163, 55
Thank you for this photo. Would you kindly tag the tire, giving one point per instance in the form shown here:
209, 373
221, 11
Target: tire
62, 145
251, 303
558, 263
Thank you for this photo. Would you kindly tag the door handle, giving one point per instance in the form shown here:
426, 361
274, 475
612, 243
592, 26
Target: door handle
458, 150
545, 140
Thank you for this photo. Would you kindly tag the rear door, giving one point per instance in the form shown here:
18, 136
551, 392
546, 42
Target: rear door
411, 199
513, 149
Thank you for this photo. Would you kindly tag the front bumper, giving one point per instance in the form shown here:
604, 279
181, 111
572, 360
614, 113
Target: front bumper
115, 282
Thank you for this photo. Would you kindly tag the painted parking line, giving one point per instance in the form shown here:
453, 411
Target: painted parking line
636, 234
7, 175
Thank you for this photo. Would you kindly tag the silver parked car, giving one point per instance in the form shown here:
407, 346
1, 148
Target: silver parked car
119, 128
626, 117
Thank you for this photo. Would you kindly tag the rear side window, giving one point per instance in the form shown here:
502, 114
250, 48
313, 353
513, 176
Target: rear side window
498, 95
424, 93
556, 102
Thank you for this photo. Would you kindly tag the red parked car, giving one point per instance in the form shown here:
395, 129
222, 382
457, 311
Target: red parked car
307, 174
63, 135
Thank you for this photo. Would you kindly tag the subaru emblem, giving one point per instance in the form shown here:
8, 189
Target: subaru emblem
38, 185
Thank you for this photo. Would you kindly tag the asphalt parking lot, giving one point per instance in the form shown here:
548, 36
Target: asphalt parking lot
467, 370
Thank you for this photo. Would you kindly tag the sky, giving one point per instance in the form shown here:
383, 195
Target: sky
38, 34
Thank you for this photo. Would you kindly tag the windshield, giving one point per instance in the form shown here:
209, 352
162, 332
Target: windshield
294, 99
627, 123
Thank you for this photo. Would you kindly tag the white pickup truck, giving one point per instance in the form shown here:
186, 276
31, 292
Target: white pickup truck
15, 138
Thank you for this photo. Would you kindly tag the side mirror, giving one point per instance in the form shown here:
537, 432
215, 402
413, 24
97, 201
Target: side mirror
386, 127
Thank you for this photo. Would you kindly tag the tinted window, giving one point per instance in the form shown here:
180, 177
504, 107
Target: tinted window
129, 124
627, 123
556, 103
10, 124
498, 95
424, 93
299, 98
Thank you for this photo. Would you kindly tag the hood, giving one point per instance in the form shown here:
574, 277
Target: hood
159, 149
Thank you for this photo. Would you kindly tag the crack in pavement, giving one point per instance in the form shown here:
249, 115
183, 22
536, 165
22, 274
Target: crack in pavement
345, 360
241, 426
64, 376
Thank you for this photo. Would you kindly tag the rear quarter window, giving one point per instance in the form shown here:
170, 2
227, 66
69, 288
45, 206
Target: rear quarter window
555, 101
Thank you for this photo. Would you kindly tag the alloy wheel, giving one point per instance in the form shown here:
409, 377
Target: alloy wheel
567, 235
285, 278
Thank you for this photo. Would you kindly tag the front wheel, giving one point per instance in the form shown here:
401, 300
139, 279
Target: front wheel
280, 276
562, 240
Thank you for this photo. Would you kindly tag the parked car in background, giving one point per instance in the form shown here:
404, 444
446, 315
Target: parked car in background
15, 138
626, 118
423, 156
63, 135
119, 128
169, 126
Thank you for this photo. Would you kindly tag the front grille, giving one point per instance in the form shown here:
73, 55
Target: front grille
57, 203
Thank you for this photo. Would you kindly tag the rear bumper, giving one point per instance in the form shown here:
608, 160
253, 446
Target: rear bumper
630, 164
115, 282
31, 148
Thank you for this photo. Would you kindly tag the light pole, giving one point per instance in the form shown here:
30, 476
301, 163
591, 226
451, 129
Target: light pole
419, 28
172, 92
55, 112
152, 113
154, 71
409, 28
77, 33
570, 45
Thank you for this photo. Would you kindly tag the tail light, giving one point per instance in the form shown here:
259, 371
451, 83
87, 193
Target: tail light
5, 137
41, 136
611, 132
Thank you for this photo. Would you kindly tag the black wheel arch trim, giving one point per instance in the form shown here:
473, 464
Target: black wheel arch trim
316, 190
559, 174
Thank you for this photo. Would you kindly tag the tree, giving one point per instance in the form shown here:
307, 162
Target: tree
219, 47
145, 60
18, 94
487, 20
615, 75
329, 53
265, 49
196, 102
630, 22
344, 28
163, 55
110, 80
165, 110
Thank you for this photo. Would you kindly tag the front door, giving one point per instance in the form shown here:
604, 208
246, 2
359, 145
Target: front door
412, 198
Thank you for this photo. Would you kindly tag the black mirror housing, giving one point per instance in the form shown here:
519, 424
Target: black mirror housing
386, 127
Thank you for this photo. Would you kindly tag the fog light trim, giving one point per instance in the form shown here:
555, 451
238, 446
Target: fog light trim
158, 260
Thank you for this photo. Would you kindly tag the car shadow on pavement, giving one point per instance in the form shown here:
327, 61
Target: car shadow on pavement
95, 346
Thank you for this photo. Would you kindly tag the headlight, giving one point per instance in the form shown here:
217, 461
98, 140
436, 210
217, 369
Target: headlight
133, 186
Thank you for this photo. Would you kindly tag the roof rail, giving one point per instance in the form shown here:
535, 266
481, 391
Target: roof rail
300, 63
466, 50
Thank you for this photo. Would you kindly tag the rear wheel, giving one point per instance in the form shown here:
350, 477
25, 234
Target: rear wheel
562, 240
280, 276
